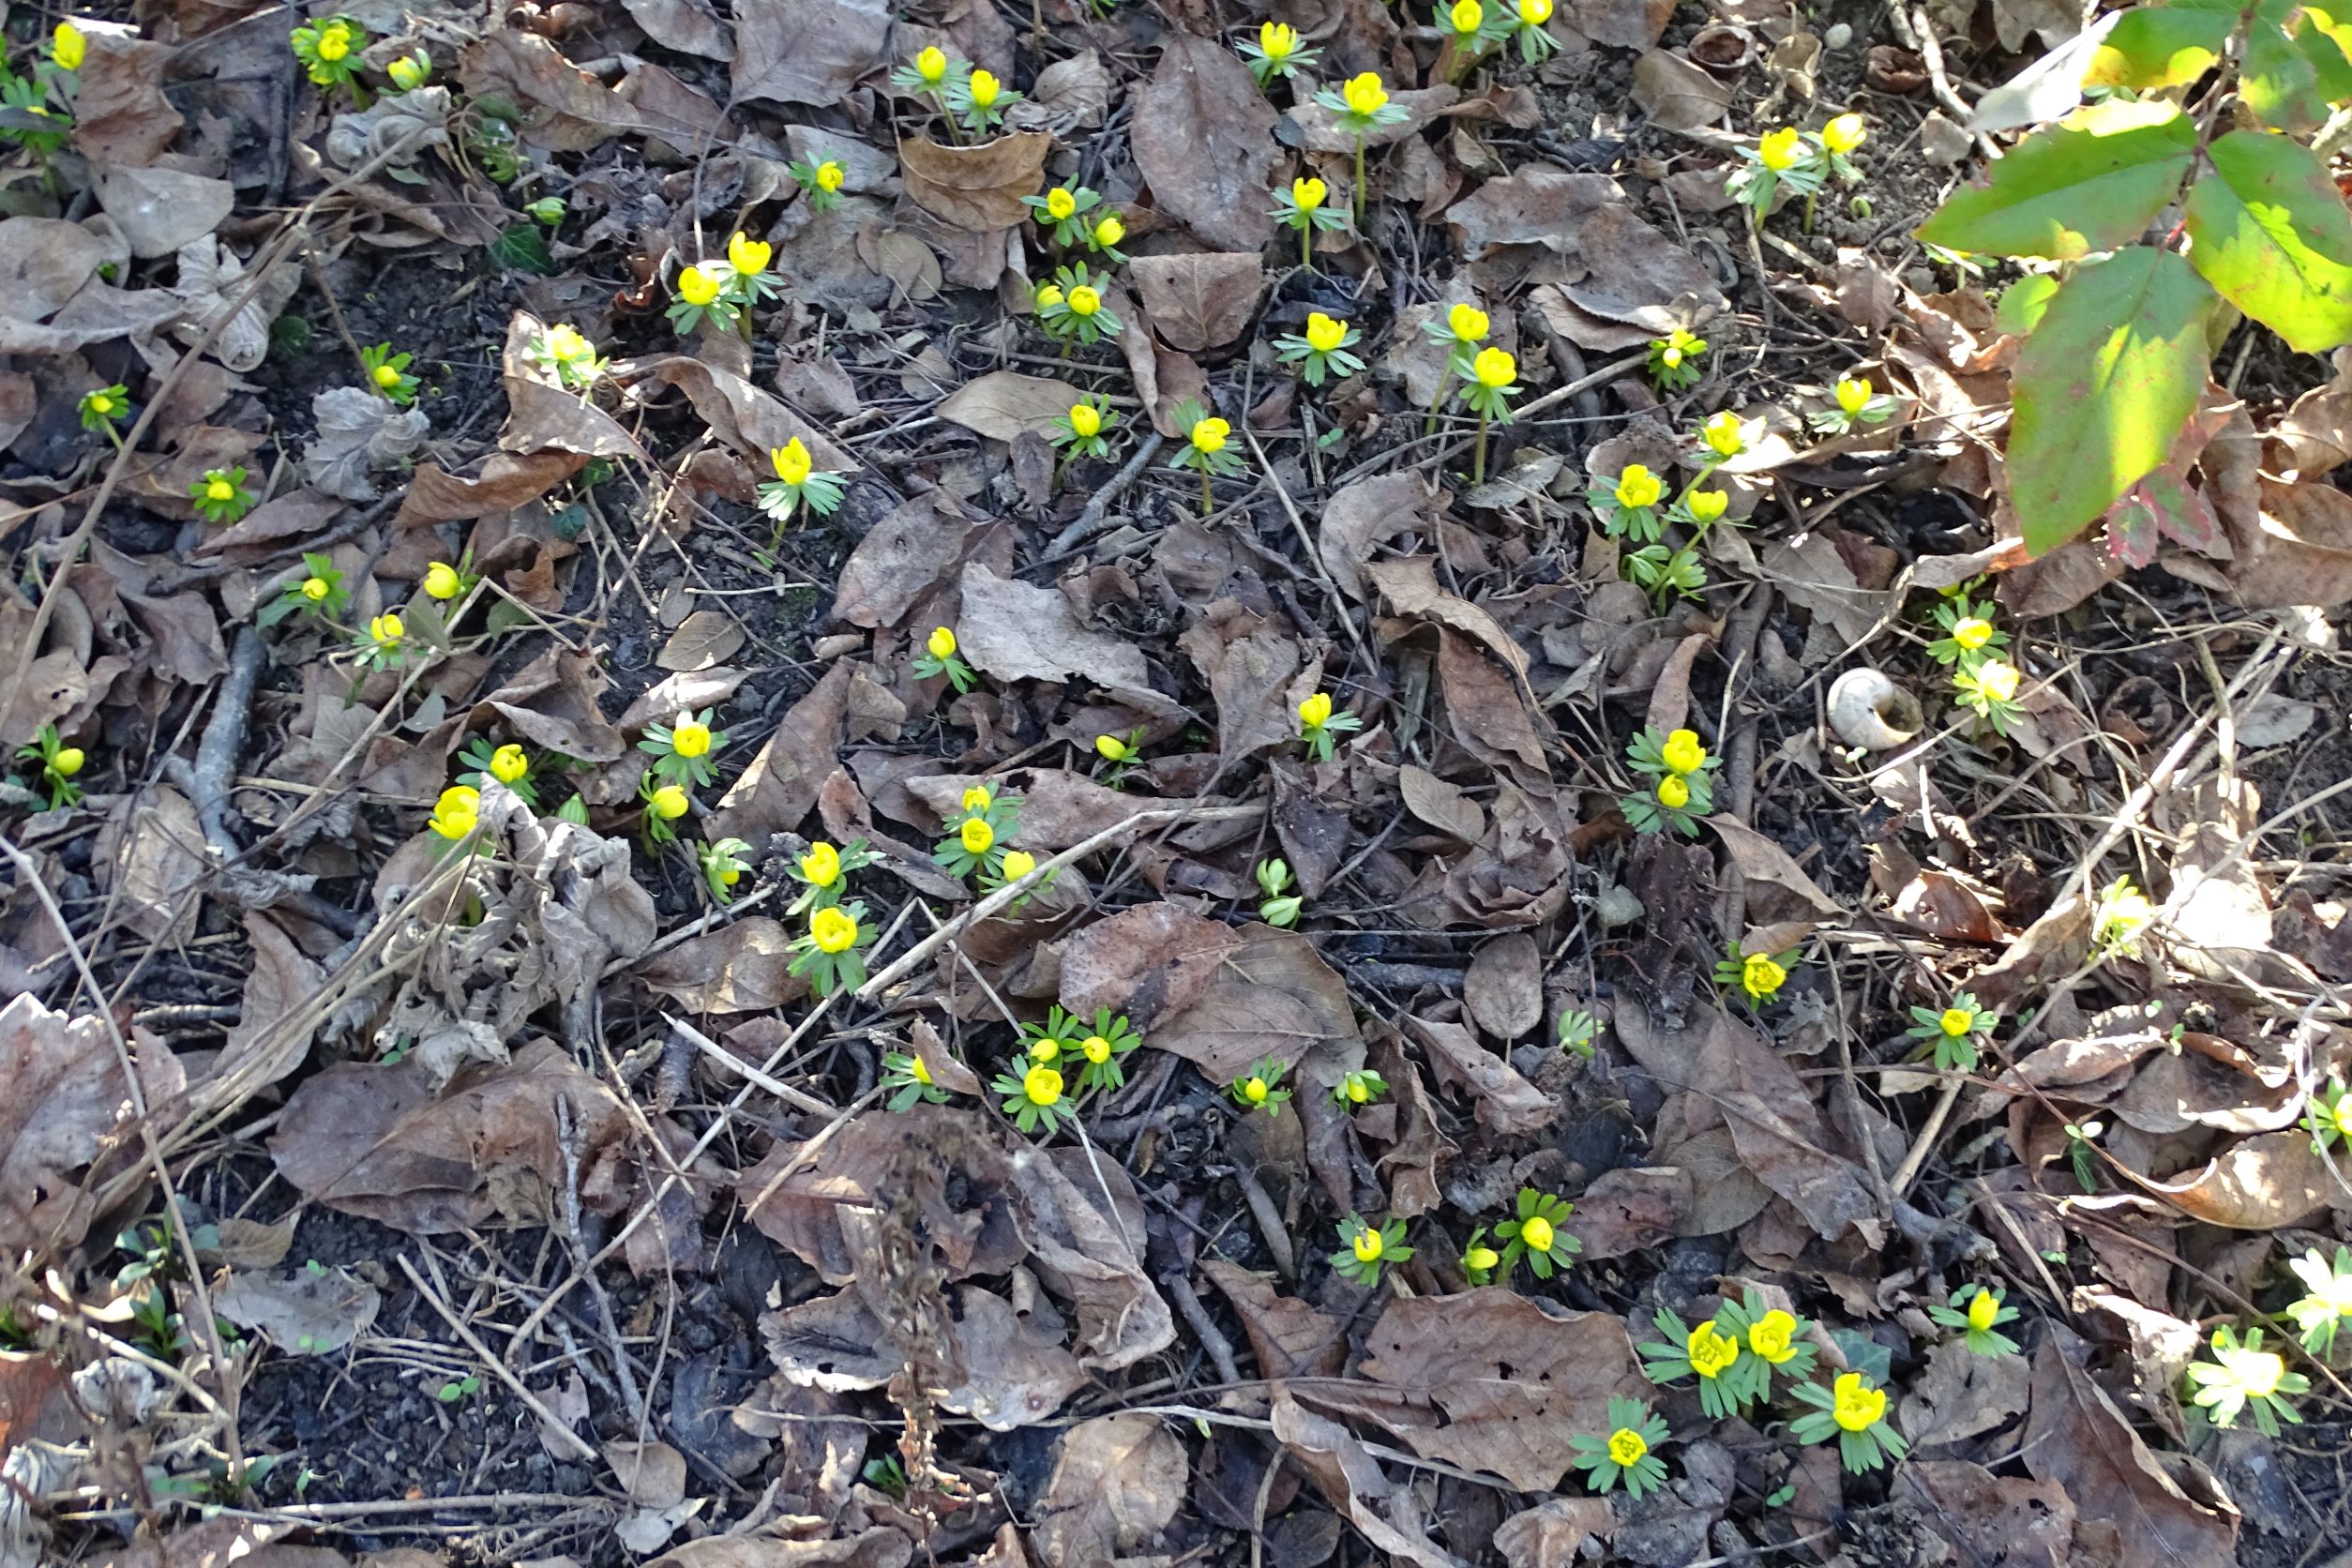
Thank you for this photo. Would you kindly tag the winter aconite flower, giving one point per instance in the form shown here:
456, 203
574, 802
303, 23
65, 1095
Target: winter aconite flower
832, 954
1278, 51
1953, 1032
2328, 1303
1035, 1098
1627, 1454
319, 592
411, 70
975, 840
1063, 209
820, 180
1674, 360
908, 1078
1535, 1234
703, 295
1318, 725
220, 495
327, 50
456, 812
938, 657
823, 873
59, 764
1488, 389
1261, 1088
1081, 433
981, 101
1725, 436
1321, 351
1729, 1379
1757, 976
1781, 150
1304, 208
1208, 448
1362, 104
102, 408
1463, 329
384, 642
444, 582
1987, 687
68, 47
799, 483
387, 374
1844, 134
723, 866
2243, 1377
1968, 632
1854, 402
1528, 18
1365, 1248
1070, 307
1677, 795
1977, 1313
1779, 158
1853, 1409
683, 750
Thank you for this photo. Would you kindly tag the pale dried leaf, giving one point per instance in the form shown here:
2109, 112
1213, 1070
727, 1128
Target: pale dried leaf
978, 188
66, 1104
1003, 404
1203, 137
305, 1312
807, 51
1202, 300
1015, 632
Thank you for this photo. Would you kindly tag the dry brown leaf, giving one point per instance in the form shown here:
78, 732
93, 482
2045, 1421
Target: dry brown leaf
1507, 1103
1632, 1208
1201, 300
150, 855
1989, 1518
743, 967
1962, 1395
1144, 961
1622, 24
554, 703
1003, 404
1116, 1484
688, 27
1366, 513
2297, 550
282, 980
1504, 987
159, 210
978, 188
653, 1474
507, 480
2262, 1183
67, 1103
1271, 996
1387, 1514
1256, 673
1203, 138
1015, 632
1675, 93
541, 413
1809, 569
1549, 1534
2076, 1438
902, 557
564, 109
880, 1546
807, 51
121, 113
1778, 889
779, 787
752, 421
1289, 1338
703, 639
305, 1312
1444, 806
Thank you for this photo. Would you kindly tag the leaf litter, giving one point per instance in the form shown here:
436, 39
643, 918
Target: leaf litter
524, 1108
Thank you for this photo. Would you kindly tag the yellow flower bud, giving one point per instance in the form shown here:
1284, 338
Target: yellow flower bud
1972, 632
1627, 1447
1085, 300
1536, 1232
1086, 420
1956, 1022
791, 461
442, 581
688, 738
1854, 1407
67, 762
830, 176
918, 1070
1049, 295
1111, 749
1709, 505
1042, 1086
1315, 710
1760, 976
977, 798
1982, 1308
1019, 863
1306, 195
1468, 324
984, 89
1110, 232
1494, 368
386, 629
931, 65
1673, 791
834, 930
316, 589
1536, 12
670, 803
977, 835
508, 763
1323, 334
387, 376
1852, 396
1278, 40
1368, 1246
1059, 204
941, 645
1255, 1091
1781, 149
1682, 751
1210, 435
822, 865
220, 489
1999, 679
697, 286
1364, 96
1094, 1047
748, 256
1772, 1336
456, 812
333, 42
1046, 1048
407, 73
1637, 488
1723, 435
1844, 134
1466, 17
68, 46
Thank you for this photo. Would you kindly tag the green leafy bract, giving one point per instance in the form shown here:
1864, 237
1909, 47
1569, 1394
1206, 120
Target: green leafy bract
2268, 230
2091, 182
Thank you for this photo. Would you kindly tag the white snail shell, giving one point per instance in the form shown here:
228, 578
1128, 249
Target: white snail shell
1870, 711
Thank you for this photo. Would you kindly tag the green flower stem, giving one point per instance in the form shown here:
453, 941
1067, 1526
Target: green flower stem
1306, 245
1445, 384
955, 132
1359, 182
1810, 195
1204, 492
1478, 462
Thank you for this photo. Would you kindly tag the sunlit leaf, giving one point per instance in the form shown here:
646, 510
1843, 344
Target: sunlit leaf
2091, 182
2269, 230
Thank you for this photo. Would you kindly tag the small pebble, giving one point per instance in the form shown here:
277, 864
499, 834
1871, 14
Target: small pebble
1942, 142
1838, 36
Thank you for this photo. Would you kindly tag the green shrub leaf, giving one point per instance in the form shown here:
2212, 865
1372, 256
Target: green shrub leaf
2269, 230
2160, 46
2023, 302
2091, 182
2102, 386
2278, 80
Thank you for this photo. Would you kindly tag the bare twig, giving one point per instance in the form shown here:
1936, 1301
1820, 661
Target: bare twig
550, 1424
1090, 521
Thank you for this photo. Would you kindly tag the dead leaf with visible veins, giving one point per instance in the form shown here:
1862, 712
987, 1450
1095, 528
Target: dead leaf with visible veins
1962, 1395
358, 431
1551, 1534
1256, 673
1272, 997
1289, 1338
1350, 1479
1200, 301
743, 967
1003, 404
121, 113
67, 1104
1015, 632
541, 413
978, 188
1367, 513
1989, 1518
1507, 1103
1203, 137
807, 51
2076, 1438
1116, 1485
777, 789
1504, 986
306, 1312
902, 557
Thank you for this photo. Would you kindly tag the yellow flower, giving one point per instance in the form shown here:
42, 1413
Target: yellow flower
406, 72
67, 762
830, 176
1059, 204
1042, 1086
1049, 295
1323, 334
220, 489
1306, 195
729, 877
1094, 1047
1957, 1021
1709, 1351
1982, 1308
1111, 230
456, 812
1466, 17
1019, 863
1999, 678
1209, 435
1111, 749
333, 42
1255, 1091
1782, 149
1468, 324
1709, 505
508, 763
1481, 1257
1858, 1408
747, 255
918, 1069
1723, 435
670, 803
1364, 96
1852, 396
941, 645
1359, 1091
1536, 1232
2342, 1115
1367, 1245
822, 865
697, 286
68, 46
1086, 420
1844, 134
1626, 1446
99, 402
791, 461
833, 930
689, 737
984, 89
1672, 793
1536, 12
977, 836
1760, 976
315, 589
1315, 710
1493, 368
386, 629
977, 798
442, 581
1637, 488
566, 343
1768, 1336
1682, 751
1085, 300
931, 65
1045, 1048
387, 376
1278, 40
1972, 632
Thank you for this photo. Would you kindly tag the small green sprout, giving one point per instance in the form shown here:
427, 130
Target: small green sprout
975, 840
2081, 1138
1319, 726
1978, 1313
1579, 1032
723, 866
220, 496
387, 374
830, 954
59, 764
1853, 403
1277, 51
908, 1080
820, 181
683, 750
886, 1475
329, 49
1304, 208
548, 210
2243, 1377
1853, 1409
1360, 1086
318, 591
460, 1389
938, 657
1628, 1452
1536, 1233
1674, 360
1261, 1088
1955, 1032
102, 408
1279, 907
1757, 976
2328, 1303
1208, 447
1321, 351
1035, 1098
1365, 1248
